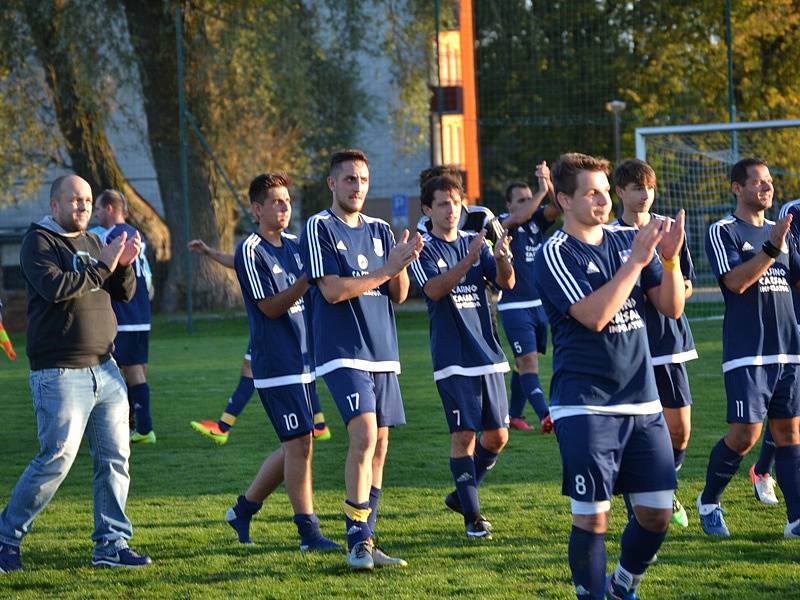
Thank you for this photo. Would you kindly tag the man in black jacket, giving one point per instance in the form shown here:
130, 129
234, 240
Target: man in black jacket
77, 388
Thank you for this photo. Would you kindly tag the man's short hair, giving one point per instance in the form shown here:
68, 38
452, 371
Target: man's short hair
55, 187
112, 198
739, 170
565, 172
515, 185
442, 183
633, 171
437, 171
262, 184
343, 156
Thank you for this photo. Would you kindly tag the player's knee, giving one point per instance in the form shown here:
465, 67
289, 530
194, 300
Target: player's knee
363, 434
785, 432
527, 363
680, 436
462, 443
381, 445
495, 440
593, 523
299, 447
742, 437
653, 519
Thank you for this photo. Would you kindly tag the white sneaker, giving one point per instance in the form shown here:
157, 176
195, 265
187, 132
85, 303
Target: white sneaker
764, 487
792, 530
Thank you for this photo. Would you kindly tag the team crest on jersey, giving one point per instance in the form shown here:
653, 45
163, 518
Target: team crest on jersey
534, 228
363, 263
624, 254
290, 278
276, 269
298, 260
377, 243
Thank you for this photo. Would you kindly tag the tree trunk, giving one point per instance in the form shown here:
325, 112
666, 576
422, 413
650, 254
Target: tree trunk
82, 128
152, 31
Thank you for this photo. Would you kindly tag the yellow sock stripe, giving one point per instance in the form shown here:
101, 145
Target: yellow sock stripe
319, 418
356, 514
4, 338
228, 418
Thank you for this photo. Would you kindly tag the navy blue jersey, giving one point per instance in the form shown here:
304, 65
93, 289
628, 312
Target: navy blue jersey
759, 327
793, 208
605, 372
359, 333
463, 340
670, 340
279, 347
133, 315
526, 240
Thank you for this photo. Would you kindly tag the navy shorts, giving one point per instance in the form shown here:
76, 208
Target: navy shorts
673, 385
755, 392
604, 455
477, 403
289, 409
526, 329
131, 348
248, 355
357, 392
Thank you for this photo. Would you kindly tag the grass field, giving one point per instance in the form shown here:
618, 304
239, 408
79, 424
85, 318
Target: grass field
182, 486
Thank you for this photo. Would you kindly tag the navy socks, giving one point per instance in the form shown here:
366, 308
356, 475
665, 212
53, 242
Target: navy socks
463, 470
587, 561
722, 466
238, 400
139, 396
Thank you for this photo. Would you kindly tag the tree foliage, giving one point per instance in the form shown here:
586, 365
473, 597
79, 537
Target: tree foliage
546, 70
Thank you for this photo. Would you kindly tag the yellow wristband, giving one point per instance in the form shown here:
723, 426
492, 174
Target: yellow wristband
670, 265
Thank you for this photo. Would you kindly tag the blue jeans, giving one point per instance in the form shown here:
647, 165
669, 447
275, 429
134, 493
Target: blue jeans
69, 403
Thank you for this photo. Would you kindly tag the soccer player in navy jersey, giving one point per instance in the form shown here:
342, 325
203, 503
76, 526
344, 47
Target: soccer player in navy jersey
761, 470
452, 271
218, 431
355, 270
671, 341
270, 273
593, 280
520, 308
756, 269
132, 343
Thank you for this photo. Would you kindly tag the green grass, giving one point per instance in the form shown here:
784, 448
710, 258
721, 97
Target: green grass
182, 486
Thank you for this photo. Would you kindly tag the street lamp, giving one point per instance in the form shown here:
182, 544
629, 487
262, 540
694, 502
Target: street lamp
616, 107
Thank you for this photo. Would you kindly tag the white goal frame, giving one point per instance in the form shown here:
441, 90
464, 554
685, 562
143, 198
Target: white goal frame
643, 132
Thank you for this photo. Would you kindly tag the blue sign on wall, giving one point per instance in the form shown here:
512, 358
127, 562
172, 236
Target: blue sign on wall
400, 211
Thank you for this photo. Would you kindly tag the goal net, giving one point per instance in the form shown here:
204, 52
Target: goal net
692, 165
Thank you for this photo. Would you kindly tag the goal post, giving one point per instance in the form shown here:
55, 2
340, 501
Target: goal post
692, 165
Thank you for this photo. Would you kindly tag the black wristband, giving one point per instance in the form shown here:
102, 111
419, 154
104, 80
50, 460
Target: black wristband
770, 249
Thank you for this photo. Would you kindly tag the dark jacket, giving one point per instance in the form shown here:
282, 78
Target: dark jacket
70, 320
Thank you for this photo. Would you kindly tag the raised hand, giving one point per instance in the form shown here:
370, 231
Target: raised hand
502, 250
402, 254
474, 250
110, 253
672, 235
130, 250
779, 232
645, 242
543, 176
